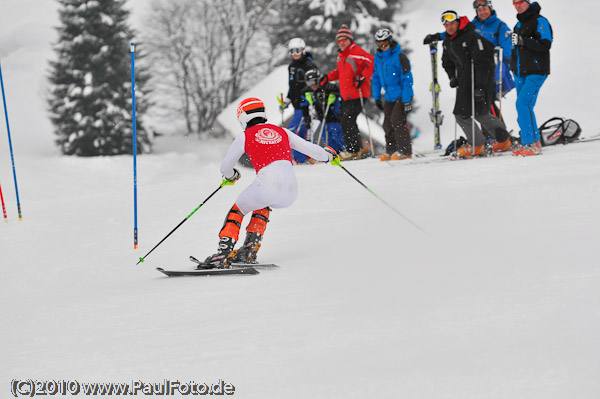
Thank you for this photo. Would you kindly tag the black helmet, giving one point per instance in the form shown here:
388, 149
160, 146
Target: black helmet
383, 34
311, 77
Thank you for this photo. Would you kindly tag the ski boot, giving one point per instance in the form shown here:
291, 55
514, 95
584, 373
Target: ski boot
247, 253
217, 260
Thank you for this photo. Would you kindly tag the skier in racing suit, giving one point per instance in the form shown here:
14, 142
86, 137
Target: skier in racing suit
269, 149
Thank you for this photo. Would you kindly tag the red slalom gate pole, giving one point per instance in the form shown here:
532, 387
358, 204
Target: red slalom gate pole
3, 207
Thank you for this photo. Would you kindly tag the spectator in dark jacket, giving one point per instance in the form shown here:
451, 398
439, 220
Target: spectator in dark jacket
323, 104
488, 25
461, 47
530, 62
301, 62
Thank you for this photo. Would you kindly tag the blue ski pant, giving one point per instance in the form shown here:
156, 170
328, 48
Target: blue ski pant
334, 135
297, 126
528, 88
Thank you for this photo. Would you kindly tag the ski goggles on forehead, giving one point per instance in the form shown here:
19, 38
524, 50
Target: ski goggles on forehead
295, 51
449, 16
477, 6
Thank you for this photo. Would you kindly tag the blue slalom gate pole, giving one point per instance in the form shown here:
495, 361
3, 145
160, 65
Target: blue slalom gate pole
135, 222
12, 158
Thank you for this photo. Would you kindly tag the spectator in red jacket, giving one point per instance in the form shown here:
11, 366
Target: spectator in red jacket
354, 71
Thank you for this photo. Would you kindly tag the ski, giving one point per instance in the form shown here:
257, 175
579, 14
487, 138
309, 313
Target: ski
209, 272
585, 139
435, 114
203, 266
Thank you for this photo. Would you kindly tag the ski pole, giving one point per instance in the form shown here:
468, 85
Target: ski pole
501, 62
133, 118
12, 158
473, 104
280, 100
223, 184
3, 207
336, 161
323, 126
362, 104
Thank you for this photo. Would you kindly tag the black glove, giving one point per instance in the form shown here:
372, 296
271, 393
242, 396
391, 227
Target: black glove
407, 107
454, 82
358, 81
516, 39
479, 95
436, 37
379, 104
307, 121
324, 81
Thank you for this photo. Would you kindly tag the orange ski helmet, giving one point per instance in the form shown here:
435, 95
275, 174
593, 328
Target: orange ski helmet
249, 109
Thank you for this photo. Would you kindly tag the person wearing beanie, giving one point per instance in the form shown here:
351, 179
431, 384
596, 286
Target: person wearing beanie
353, 70
530, 63
463, 46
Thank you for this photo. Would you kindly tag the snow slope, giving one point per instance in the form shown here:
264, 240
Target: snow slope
501, 300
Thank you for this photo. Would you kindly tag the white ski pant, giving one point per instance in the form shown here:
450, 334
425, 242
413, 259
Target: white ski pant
275, 186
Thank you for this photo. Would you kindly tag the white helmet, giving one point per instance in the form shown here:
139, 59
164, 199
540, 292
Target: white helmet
249, 109
297, 44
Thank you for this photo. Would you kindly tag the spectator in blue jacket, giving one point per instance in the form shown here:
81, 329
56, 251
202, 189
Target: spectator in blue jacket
530, 62
488, 25
392, 74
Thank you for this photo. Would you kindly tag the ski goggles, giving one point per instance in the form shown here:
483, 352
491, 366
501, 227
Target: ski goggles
383, 44
295, 51
517, 2
477, 5
449, 16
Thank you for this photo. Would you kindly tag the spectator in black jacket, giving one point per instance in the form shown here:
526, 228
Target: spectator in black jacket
301, 62
461, 46
530, 63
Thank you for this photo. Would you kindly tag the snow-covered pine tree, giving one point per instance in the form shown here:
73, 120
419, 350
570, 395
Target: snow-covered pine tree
90, 94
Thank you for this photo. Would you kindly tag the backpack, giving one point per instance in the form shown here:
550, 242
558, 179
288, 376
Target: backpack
559, 131
460, 141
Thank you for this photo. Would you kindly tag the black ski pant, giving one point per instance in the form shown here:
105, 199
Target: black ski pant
349, 111
397, 134
502, 135
494, 126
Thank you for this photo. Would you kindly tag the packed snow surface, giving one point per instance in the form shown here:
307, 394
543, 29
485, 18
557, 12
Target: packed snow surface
499, 299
